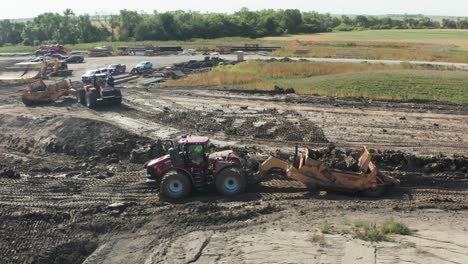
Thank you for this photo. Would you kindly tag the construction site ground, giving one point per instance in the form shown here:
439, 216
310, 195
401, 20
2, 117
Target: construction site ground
71, 193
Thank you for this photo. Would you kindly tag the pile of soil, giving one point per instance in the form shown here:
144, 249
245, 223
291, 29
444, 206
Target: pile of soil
72, 136
10, 174
268, 124
195, 66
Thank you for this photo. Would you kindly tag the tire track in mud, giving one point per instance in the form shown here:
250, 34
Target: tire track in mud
41, 217
407, 126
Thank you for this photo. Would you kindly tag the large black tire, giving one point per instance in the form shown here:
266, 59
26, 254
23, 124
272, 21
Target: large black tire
27, 102
375, 192
91, 99
175, 185
231, 181
80, 96
118, 101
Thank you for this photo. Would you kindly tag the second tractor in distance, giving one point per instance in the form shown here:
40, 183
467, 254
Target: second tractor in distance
100, 89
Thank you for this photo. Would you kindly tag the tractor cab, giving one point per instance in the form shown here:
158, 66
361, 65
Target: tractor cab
101, 80
188, 165
193, 150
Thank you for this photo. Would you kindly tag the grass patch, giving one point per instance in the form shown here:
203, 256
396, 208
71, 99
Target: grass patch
318, 238
392, 227
374, 81
361, 224
325, 227
372, 232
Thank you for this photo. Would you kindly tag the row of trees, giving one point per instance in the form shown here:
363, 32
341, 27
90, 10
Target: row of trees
69, 28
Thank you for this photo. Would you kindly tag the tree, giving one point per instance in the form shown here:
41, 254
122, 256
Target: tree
291, 21
447, 23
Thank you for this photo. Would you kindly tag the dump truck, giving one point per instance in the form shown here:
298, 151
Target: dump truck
38, 91
317, 176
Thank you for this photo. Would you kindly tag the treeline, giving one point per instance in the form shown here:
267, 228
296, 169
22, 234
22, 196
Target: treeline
68, 28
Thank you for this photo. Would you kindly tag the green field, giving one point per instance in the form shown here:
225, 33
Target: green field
458, 38
342, 80
425, 45
403, 84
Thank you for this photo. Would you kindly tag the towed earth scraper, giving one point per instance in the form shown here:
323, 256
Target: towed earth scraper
189, 166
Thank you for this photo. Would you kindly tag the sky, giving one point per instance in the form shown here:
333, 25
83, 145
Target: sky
32, 8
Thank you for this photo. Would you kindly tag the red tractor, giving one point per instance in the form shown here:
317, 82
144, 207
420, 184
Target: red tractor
188, 166
100, 88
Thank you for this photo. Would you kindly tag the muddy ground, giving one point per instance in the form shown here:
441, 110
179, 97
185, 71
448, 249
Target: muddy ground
73, 189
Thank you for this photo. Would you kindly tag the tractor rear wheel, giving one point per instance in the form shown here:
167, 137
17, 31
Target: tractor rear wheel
175, 185
80, 96
118, 93
230, 181
91, 99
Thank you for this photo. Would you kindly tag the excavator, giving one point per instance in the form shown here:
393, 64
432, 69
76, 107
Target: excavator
317, 176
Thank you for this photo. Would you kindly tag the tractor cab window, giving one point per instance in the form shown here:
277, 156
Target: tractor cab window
110, 81
100, 81
196, 154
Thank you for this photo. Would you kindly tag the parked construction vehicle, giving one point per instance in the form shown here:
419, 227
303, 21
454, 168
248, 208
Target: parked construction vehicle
99, 89
39, 92
50, 49
188, 166
317, 176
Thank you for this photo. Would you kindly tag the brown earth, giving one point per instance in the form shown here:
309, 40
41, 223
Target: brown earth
69, 193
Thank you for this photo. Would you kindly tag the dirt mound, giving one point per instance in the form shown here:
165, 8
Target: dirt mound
10, 174
267, 124
71, 136
195, 66
70, 253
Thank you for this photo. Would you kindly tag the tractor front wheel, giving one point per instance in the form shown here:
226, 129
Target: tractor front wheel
175, 185
230, 181
80, 96
27, 102
91, 99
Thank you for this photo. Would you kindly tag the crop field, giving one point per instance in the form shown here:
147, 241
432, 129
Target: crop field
424, 45
431, 36
343, 80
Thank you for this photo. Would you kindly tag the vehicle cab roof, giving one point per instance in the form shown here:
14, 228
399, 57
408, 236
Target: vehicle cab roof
194, 140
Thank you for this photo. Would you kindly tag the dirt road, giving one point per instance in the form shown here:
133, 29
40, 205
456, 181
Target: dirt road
78, 198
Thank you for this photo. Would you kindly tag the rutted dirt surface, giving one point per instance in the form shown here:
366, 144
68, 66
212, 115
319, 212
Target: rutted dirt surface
69, 192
